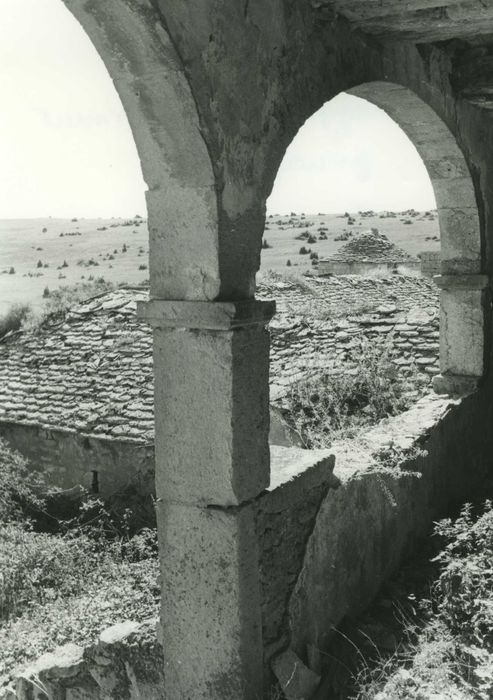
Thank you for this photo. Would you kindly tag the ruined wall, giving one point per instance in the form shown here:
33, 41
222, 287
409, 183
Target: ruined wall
127, 662
67, 459
371, 511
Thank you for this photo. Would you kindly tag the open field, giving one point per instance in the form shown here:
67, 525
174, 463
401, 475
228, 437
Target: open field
421, 234
40, 253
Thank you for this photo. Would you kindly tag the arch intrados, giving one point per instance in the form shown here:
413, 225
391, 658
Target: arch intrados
447, 169
158, 102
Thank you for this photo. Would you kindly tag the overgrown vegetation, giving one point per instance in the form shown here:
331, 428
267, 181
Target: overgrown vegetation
447, 650
333, 405
13, 319
49, 581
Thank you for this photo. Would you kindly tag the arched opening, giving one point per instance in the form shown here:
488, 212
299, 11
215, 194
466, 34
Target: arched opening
462, 322
445, 242
181, 202
71, 175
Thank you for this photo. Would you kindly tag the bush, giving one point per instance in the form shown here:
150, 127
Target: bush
48, 582
288, 263
14, 318
304, 251
338, 404
39, 263
58, 301
22, 489
465, 587
447, 651
265, 244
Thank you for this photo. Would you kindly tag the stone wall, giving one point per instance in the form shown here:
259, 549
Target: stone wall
430, 263
331, 527
126, 663
350, 267
117, 470
370, 511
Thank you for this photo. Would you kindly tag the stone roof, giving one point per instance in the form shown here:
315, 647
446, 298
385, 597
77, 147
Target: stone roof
92, 371
370, 246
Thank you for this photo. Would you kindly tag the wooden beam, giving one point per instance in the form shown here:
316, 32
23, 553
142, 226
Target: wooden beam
372, 9
437, 24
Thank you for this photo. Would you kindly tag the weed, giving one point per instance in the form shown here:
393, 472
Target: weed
338, 404
447, 650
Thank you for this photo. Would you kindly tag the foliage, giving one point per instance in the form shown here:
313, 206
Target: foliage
58, 301
335, 405
448, 647
49, 581
22, 488
12, 320
467, 577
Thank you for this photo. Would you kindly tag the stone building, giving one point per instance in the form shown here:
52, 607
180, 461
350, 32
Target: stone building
77, 396
369, 253
253, 566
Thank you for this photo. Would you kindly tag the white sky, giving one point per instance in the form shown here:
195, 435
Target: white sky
66, 148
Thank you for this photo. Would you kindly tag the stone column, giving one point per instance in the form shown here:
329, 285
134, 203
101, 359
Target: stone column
211, 365
462, 333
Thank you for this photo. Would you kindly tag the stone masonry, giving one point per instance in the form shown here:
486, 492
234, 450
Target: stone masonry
214, 94
78, 393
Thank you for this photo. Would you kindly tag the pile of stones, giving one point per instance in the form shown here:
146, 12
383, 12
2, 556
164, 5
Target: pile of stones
371, 246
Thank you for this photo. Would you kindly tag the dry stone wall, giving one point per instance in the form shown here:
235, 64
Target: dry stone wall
126, 664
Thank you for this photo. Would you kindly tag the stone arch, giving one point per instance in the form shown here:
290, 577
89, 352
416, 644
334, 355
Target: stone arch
446, 166
181, 197
463, 287
462, 319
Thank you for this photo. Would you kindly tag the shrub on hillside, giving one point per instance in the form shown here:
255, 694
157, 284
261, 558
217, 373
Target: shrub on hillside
58, 301
62, 299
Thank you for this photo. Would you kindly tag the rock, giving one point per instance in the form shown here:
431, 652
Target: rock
297, 681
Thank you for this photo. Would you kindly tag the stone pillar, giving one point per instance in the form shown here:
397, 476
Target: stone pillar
462, 333
211, 365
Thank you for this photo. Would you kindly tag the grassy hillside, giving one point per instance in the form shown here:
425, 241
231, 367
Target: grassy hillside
40, 253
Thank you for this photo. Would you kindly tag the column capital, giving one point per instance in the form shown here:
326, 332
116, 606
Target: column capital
465, 282
205, 315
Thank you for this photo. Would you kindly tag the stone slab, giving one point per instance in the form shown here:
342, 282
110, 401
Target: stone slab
205, 315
